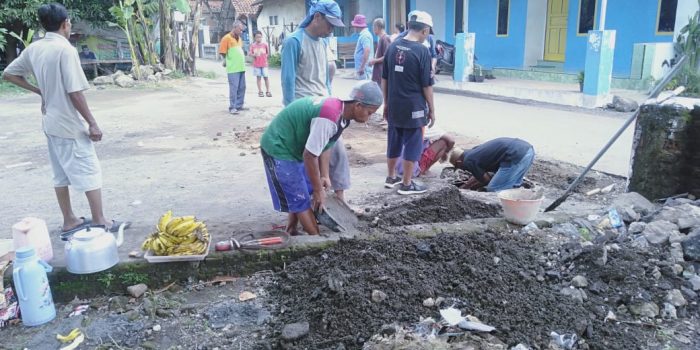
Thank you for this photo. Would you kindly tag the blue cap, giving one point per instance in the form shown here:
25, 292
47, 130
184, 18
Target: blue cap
328, 8
25, 252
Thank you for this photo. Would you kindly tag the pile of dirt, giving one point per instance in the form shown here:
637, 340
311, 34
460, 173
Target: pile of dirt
499, 279
443, 205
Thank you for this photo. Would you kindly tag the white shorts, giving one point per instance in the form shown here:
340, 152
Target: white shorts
260, 72
74, 163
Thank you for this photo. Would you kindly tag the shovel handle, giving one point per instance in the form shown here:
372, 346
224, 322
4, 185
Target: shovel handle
264, 241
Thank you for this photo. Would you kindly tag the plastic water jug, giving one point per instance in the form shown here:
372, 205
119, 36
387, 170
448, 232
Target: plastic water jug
32, 287
33, 232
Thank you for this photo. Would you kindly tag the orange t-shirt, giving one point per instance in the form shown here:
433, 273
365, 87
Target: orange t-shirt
233, 49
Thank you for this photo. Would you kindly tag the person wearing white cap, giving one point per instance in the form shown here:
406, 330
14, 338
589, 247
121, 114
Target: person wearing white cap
296, 150
408, 89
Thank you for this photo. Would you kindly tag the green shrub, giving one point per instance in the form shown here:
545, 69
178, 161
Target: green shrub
275, 60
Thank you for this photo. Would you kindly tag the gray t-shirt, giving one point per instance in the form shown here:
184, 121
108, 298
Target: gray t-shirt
56, 65
312, 70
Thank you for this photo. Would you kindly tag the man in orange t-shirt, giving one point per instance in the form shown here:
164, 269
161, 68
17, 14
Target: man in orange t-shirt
231, 49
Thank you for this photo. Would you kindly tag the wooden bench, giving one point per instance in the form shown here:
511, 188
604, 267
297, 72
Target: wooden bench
346, 52
96, 63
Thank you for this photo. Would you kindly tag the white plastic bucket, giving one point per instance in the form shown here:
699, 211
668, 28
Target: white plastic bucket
520, 206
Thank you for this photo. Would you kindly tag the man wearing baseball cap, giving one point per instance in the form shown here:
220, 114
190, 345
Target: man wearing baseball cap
408, 89
296, 150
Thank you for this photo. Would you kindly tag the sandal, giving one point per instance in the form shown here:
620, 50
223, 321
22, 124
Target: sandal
260, 94
68, 234
269, 94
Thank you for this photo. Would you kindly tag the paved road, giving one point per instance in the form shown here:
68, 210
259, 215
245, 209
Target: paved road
565, 134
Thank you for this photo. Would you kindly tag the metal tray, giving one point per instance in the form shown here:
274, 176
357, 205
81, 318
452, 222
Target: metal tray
155, 259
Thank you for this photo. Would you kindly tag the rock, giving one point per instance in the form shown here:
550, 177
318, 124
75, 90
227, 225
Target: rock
675, 298
520, 347
124, 81
295, 331
496, 260
146, 71
117, 74
242, 154
677, 269
245, 296
689, 294
610, 316
167, 72
137, 290
656, 273
152, 79
158, 67
694, 281
636, 227
157, 328
677, 252
627, 214
378, 296
579, 282
669, 312
574, 293
691, 248
103, 80
622, 104
430, 302
159, 76
348, 146
567, 229
650, 310
633, 200
658, 232
118, 303
686, 216
640, 242
439, 301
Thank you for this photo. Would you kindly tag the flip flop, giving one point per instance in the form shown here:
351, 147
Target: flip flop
260, 94
269, 94
66, 235
116, 225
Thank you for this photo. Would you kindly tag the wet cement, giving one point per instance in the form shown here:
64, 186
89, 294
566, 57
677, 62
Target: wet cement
332, 291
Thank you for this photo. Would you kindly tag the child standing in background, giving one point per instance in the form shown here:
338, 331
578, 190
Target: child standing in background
260, 51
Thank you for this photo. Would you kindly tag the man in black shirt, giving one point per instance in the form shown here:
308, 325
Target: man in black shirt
409, 104
508, 158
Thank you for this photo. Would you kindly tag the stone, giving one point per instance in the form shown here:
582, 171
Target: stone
656, 273
694, 281
567, 229
117, 74
675, 298
579, 282
242, 154
627, 214
295, 331
689, 294
496, 260
520, 347
636, 227
430, 302
650, 310
610, 316
103, 80
152, 79
640, 242
146, 71
677, 269
159, 76
677, 252
167, 72
669, 312
118, 303
157, 328
124, 81
439, 301
574, 293
137, 290
686, 216
158, 67
658, 232
378, 296
691, 248
633, 200
622, 104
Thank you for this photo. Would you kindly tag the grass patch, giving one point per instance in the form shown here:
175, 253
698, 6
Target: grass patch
206, 74
178, 74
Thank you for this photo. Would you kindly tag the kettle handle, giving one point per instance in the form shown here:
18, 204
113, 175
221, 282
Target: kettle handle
120, 235
46, 266
18, 285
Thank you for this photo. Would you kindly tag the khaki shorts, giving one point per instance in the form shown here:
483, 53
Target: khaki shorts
74, 163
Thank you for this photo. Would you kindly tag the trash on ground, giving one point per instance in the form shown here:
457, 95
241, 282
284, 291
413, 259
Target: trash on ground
566, 341
9, 314
70, 336
245, 296
79, 310
76, 342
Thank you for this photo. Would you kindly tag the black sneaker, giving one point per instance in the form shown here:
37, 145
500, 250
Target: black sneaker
413, 188
391, 183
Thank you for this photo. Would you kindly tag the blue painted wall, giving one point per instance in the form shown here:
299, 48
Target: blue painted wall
634, 21
450, 21
495, 51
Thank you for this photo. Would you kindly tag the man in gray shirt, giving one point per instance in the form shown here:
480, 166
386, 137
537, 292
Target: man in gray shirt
305, 73
56, 65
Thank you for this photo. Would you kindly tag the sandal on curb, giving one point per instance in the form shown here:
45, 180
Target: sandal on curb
269, 94
261, 94
66, 235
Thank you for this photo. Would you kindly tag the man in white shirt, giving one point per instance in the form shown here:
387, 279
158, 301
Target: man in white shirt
61, 82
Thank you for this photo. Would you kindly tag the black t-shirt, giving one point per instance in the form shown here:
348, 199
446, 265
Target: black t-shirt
407, 71
490, 156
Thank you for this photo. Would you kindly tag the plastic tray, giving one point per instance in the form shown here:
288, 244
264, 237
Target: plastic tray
155, 259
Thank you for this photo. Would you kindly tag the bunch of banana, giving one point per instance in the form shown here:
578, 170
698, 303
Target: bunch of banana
182, 235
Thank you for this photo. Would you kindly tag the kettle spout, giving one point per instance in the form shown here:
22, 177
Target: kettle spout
120, 234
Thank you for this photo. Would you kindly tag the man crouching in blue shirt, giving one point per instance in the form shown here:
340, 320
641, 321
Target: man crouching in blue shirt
509, 158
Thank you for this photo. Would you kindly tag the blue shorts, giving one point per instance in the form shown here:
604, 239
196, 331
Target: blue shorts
260, 72
289, 186
408, 140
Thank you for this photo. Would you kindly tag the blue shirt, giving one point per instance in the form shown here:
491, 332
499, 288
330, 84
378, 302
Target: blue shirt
364, 41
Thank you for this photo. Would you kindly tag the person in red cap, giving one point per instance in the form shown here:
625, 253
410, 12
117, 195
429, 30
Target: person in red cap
363, 49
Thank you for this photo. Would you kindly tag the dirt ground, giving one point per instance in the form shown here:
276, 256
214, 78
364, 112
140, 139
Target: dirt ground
174, 147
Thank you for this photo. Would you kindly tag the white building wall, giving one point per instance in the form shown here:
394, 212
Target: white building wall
287, 11
535, 29
437, 10
685, 10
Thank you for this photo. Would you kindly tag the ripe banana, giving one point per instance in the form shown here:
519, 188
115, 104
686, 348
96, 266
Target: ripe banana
164, 220
69, 337
178, 236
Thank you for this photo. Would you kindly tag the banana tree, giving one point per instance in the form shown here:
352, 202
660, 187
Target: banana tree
122, 14
3, 41
688, 41
25, 40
